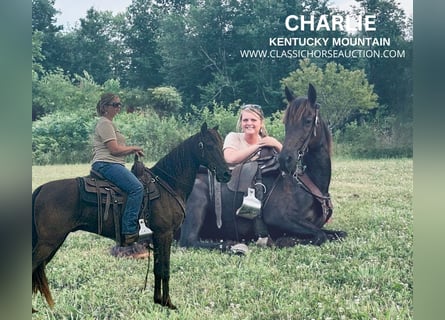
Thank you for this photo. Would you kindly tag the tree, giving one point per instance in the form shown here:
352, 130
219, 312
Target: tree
98, 45
140, 39
43, 16
386, 74
37, 56
44, 21
343, 94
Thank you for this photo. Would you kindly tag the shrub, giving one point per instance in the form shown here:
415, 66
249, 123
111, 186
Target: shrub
379, 138
156, 135
57, 92
218, 115
166, 101
62, 138
275, 125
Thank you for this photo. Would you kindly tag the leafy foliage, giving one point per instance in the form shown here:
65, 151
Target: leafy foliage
182, 59
379, 138
342, 93
223, 117
56, 91
62, 138
166, 101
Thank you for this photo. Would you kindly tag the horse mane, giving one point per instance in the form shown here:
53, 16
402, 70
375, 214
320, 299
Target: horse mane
295, 111
176, 161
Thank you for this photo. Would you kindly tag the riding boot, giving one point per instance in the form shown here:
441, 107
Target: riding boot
129, 239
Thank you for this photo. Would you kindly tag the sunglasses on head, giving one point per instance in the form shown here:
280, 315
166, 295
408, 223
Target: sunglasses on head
115, 104
251, 106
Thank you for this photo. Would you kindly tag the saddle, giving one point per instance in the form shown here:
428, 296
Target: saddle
244, 174
95, 190
247, 178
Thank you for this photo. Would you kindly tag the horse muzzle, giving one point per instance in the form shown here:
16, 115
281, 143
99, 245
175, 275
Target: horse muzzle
223, 176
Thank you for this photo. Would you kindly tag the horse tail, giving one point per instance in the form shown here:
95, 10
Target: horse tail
39, 280
40, 283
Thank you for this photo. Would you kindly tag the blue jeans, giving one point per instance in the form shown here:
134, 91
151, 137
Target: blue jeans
127, 181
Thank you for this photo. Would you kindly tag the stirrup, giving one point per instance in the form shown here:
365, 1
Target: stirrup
251, 206
144, 231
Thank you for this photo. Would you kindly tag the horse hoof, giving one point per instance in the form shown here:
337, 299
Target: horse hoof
167, 303
239, 249
171, 306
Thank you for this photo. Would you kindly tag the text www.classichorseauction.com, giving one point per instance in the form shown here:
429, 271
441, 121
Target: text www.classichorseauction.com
312, 47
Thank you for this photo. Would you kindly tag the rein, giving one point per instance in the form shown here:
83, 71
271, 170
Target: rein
325, 200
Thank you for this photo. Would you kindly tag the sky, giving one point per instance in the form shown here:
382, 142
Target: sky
72, 11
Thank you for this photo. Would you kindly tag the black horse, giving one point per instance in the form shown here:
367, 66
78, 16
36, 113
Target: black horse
58, 210
296, 204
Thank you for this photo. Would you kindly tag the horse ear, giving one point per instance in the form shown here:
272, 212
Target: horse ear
289, 94
312, 94
204, 127
216, 127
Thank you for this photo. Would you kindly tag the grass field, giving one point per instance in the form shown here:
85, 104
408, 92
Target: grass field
369, 275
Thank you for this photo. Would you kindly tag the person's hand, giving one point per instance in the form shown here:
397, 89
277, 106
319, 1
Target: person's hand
270, 142
138, 151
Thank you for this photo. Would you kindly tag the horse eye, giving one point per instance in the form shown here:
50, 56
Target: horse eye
308, 121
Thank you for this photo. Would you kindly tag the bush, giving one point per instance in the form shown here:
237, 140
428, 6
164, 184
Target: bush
223, 117
166, 101
57, 92
385, 138
157, 136
275, 125
62, 138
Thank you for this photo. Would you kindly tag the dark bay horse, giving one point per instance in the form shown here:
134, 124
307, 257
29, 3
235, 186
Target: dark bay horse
297, 203
57, 210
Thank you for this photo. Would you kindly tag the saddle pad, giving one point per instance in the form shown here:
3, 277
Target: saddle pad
242, 176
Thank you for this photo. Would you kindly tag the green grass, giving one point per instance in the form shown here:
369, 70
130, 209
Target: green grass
369, 275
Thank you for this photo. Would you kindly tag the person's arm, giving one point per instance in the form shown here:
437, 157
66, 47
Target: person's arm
119, 150
271, 142
232, 155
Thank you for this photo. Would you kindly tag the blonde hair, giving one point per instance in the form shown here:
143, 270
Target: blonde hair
257, 110
105, 100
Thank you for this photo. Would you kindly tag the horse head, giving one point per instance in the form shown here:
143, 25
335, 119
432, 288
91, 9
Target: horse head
302, 129
210, 153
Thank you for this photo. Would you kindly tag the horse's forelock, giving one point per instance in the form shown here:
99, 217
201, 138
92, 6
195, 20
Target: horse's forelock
295, 110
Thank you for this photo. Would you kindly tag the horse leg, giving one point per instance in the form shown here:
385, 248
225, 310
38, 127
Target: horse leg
162, 250
294, 226
335, 234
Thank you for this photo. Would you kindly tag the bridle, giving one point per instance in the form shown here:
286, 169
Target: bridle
305, 146
212, 169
